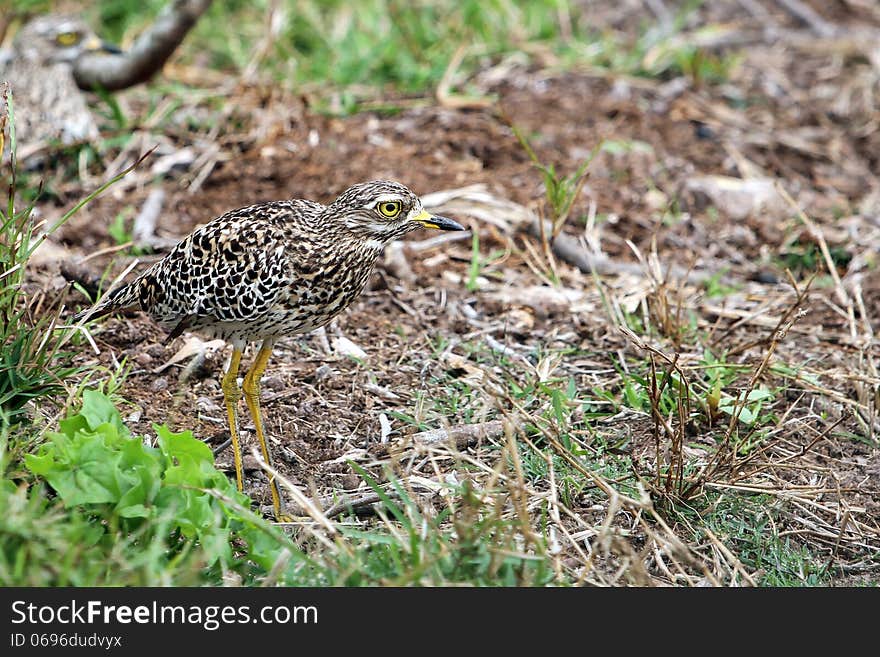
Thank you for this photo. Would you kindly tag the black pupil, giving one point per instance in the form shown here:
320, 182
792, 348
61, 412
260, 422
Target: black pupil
390, 208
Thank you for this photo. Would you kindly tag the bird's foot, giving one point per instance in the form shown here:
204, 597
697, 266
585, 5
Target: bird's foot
282, 518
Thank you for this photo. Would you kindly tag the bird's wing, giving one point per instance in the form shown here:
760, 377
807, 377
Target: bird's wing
233, 269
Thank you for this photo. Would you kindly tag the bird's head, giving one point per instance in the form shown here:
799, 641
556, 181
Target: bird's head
384, 210
56, 38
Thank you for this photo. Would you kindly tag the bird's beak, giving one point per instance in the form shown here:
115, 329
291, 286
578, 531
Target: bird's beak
94, 44
429, 220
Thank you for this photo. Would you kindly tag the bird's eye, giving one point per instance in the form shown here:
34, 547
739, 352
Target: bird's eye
67, 38
389, 209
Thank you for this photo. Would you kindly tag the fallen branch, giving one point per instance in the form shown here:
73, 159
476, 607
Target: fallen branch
510, 217
147, 56
356, 504
570, 250
461, 436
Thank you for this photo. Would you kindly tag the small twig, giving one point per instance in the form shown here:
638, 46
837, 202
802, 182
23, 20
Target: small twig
440, 240
357, 503
811, 225
731, 558
799, 10
105, 251
445, 96
843, 523
222, 446
143, 232
305, 504
462, 436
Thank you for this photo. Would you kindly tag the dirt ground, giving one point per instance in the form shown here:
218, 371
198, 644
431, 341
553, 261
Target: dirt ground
789, 112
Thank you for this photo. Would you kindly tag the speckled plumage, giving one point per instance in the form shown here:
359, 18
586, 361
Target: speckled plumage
268, 270
48, 105
271, 270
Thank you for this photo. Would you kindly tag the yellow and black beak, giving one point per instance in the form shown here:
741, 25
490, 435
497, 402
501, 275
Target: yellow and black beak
429, 220
94, 44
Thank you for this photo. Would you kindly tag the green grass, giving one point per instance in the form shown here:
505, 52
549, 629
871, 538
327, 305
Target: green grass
805, 258
373, 43
346, 52
561, 434
749, 526
469, 542
560, 191
480, 264
33, 359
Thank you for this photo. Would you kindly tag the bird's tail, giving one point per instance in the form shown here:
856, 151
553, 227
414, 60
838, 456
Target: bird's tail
120, 298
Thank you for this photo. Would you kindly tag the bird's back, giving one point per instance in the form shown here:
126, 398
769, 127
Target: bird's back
261, 271
49, 107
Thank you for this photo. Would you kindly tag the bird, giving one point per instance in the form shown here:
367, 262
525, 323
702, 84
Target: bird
267, 271
49, 107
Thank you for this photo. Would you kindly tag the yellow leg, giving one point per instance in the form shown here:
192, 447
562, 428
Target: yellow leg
251, 387
231, 395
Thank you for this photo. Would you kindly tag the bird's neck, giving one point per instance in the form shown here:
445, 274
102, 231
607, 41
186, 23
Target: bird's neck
364, 239
367, 248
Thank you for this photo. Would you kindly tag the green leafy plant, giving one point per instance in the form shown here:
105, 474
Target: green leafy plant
560, 194
715, 288
749, 406
801, 257
170, 493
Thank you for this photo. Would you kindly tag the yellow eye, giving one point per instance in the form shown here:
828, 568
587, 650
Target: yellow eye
389, 209
67, 38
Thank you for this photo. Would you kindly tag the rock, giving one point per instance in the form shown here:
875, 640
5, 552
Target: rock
655, 199
351, 482
345, 347
323, 372
738, 198
273, 382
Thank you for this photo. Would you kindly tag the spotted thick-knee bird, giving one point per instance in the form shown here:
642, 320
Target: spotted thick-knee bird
49, 107
268, 271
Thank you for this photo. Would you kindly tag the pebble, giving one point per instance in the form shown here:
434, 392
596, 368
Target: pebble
350, 481
272, 382
655, 199
323, 372
345, 347
206, 404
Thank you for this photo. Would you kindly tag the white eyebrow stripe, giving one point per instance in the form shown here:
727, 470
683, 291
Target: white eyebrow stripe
384, 198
